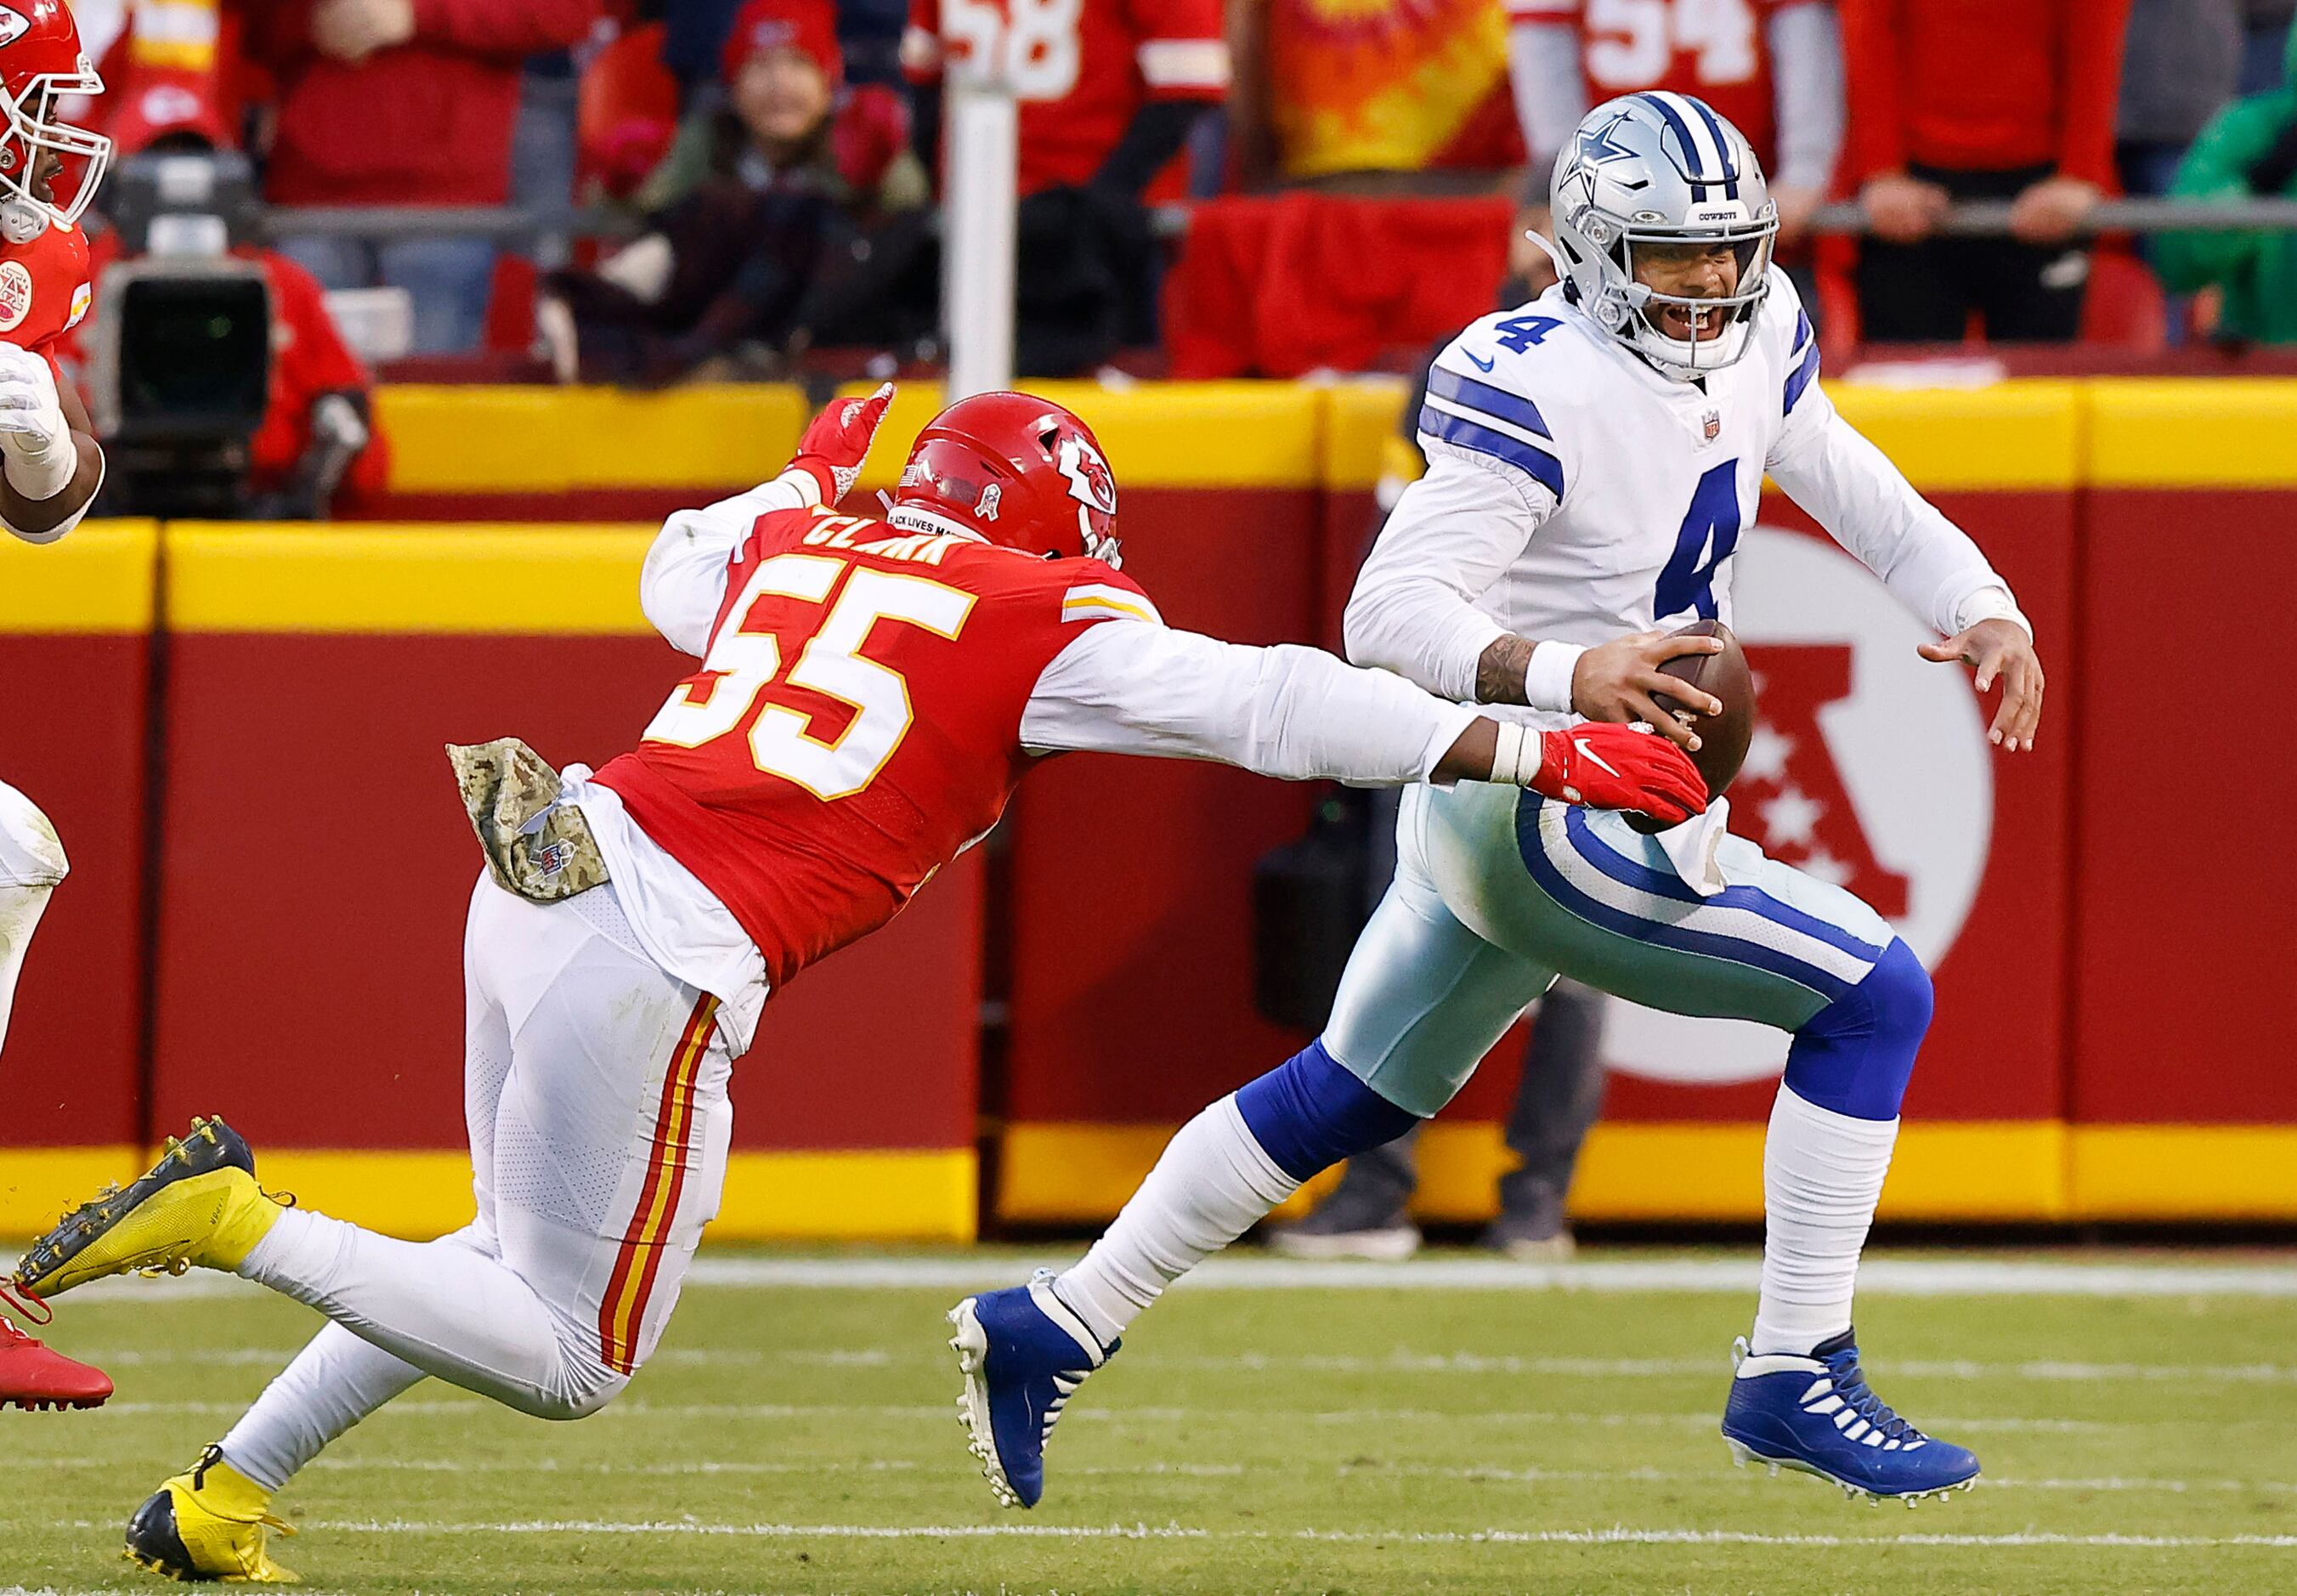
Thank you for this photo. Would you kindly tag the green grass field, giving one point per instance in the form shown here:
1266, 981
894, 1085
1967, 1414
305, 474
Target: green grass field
1384, 1439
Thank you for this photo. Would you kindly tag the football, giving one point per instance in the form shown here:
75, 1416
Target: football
1722, 738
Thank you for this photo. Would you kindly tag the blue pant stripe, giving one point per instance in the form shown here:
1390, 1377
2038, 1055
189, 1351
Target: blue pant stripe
1659, 932
1666, 884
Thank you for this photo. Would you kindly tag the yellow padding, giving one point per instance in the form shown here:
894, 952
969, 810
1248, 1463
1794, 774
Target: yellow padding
523, 440
1156, 434
2022, 434
2185, 1172
38, 1184
1949, 1170
890, 1194
2202, 432
100, 576
1364, 434
576, 580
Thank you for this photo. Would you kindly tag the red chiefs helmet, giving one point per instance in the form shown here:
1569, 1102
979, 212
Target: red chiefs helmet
1015, 469
41, 62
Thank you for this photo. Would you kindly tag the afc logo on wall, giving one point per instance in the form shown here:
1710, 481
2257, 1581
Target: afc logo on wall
1870, 769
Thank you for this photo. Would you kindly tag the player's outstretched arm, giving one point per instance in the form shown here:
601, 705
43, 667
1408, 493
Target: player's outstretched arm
50, 464
1298, 713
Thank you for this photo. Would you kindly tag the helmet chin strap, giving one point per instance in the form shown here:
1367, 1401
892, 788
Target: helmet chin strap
21, 222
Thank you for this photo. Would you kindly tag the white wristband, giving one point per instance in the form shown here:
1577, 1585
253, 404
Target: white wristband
1992, 603
1547, 676
1515, 759
43, 474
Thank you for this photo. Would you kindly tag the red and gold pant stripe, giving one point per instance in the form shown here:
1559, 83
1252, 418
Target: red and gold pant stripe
623, 1312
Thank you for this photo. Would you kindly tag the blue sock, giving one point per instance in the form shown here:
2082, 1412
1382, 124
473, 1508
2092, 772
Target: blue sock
1854, 1056
1309, 1112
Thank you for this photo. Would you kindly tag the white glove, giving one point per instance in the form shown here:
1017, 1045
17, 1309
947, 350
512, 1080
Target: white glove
35, 441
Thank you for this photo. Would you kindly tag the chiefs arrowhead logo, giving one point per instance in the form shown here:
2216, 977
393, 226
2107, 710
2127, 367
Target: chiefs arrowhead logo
15, 292
13, 25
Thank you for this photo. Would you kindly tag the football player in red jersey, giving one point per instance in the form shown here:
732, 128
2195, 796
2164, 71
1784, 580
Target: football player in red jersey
869, 692
50, 466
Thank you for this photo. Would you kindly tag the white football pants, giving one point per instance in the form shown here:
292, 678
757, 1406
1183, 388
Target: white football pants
31, 865
595, 1087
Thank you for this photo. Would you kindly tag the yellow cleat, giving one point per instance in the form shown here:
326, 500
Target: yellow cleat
199, 1206
209, 1523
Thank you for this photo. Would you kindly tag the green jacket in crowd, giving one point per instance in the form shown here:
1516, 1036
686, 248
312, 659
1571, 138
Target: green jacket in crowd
2257, 271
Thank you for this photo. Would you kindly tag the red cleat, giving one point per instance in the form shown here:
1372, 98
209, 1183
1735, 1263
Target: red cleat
33, 1376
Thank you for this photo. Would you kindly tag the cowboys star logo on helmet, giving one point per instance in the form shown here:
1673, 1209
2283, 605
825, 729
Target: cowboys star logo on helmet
1662, 170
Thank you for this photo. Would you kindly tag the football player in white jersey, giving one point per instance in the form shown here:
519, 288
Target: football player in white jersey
1594, 458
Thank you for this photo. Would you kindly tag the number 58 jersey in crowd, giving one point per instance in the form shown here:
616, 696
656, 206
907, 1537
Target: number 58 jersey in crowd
856, 722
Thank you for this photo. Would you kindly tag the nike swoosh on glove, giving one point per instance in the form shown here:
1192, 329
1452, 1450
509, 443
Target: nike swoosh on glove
838, 440
31, 414
1606, 766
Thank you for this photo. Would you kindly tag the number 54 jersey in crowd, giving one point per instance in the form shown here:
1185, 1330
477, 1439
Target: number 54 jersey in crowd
870, 696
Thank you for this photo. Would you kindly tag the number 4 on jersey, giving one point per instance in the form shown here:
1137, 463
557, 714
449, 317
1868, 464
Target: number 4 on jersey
1708, 536
1520, 333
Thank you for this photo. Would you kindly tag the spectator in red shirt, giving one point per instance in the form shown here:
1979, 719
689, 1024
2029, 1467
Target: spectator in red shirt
404, 102
1979, 100
1109, 91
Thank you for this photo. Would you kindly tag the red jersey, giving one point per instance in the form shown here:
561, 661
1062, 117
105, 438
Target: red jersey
45, 289
856, 722
1983, 85
1714, 49
1082, 68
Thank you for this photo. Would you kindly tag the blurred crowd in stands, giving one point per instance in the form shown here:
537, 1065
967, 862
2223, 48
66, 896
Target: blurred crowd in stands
736, 189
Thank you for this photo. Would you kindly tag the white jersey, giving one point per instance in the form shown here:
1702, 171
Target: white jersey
1575, 494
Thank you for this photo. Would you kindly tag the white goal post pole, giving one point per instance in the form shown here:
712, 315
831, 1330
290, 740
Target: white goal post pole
982, 149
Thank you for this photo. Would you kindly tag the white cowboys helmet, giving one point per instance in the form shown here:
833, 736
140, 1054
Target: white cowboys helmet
1661, 169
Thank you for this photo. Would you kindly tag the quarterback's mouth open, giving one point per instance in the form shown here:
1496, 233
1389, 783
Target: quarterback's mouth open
1676, 322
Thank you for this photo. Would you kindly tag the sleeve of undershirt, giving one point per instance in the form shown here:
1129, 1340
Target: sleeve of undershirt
1135, 687
683, 581
1805, 43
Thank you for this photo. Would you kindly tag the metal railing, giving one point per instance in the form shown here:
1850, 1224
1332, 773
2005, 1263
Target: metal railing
1967, 219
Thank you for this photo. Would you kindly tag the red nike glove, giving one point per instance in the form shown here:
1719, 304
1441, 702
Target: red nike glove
1607, 766
838, 440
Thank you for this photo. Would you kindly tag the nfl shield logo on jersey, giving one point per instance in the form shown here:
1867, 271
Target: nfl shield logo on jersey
1710, 425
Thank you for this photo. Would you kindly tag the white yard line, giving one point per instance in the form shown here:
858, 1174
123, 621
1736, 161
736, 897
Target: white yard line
1615, 1535
1251, 1270
936, 1413
1491, 1473
1889, 1277
1401, 1362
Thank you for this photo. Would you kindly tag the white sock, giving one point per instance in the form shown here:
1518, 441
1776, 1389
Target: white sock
1822, 1176
448, 1307
332, 1384
1214, 1183
20, 909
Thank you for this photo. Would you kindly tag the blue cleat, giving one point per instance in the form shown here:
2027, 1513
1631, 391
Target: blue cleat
1818, 1416
1023, 1352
